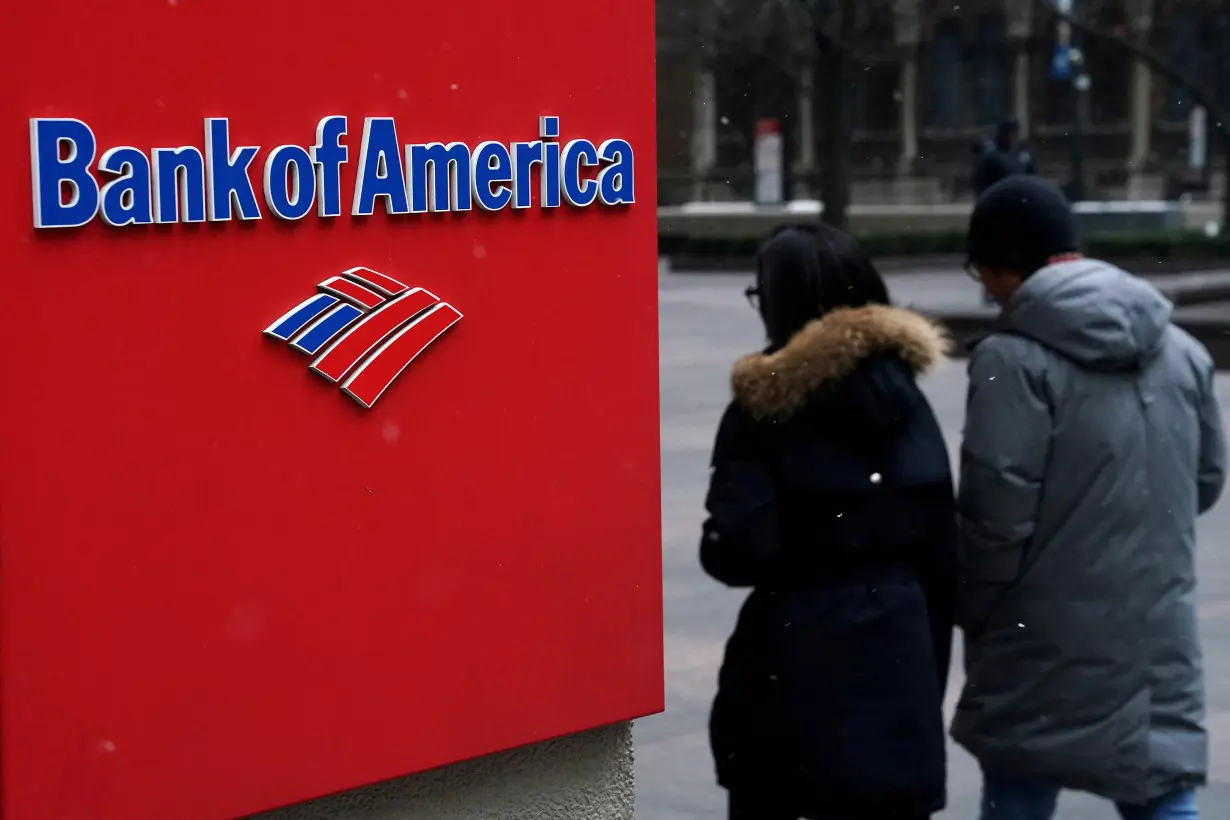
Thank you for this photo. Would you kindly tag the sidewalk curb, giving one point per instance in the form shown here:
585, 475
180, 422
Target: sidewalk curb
688, 263
967, 327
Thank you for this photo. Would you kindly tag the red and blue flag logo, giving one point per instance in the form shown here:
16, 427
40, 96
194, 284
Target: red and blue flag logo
363, 329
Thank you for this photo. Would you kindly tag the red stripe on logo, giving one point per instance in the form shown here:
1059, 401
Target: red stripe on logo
384, 366
352, 291
348, 350
379, 281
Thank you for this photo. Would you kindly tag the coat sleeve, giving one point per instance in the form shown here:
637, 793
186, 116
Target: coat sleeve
1211, 478
739, 540
1008, 424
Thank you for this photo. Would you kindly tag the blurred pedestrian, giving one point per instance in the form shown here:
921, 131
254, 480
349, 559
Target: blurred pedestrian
1093, 440
831, 499
1001, 157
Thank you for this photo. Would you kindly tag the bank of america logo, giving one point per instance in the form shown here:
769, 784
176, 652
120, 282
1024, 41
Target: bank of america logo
363, 329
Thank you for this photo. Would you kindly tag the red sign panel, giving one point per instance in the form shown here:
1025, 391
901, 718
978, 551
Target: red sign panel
330, 449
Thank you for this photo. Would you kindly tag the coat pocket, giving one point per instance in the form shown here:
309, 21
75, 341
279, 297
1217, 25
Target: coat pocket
989, 567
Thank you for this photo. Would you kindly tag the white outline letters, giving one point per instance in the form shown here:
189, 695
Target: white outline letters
130, 185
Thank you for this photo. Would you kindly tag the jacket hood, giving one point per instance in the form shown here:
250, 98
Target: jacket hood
779, 384
1094, 313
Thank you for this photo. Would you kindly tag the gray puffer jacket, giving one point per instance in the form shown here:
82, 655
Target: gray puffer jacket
1093, 440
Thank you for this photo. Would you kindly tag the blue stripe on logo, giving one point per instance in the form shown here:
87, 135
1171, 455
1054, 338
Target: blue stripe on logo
306, 312
327, 328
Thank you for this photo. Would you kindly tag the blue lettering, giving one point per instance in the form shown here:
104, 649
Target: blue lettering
329, 155
490, 175
615, 182
48, 137
578, 154
191, 184
443, 171
227, 184
548, 129
380, 171
525, 156
126, 200
290, 182
179, 185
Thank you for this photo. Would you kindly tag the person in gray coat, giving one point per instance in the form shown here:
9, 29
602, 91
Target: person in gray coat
1093, 440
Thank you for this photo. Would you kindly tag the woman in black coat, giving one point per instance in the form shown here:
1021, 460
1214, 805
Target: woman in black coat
831, 498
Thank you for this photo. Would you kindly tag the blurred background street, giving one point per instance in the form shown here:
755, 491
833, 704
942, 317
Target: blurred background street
876, 116
1119, 99
705, 324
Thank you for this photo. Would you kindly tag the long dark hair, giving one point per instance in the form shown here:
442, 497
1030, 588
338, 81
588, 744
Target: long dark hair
802, 272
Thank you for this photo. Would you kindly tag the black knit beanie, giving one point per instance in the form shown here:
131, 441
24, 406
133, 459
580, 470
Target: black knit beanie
1019, 223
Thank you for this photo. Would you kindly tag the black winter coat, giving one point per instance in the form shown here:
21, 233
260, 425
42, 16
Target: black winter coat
831, 497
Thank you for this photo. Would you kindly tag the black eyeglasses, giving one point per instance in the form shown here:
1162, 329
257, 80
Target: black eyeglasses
752, 292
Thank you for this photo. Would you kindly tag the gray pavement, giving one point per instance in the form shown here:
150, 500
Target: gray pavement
948, 290
945, 291
746, 219
705, 324
1219, 311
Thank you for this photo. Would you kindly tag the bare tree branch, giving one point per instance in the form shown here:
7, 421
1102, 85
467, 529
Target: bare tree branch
785, 30
1212, 95
1202, 93
828, 34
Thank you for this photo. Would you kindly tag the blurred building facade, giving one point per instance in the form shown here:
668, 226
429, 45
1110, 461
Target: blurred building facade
932, 78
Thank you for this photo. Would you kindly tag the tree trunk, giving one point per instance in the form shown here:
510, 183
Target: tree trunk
1225, 185
833, 114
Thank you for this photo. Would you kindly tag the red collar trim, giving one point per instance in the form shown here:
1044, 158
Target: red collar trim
1064, 257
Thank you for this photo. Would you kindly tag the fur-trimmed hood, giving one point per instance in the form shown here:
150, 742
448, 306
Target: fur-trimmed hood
779, 384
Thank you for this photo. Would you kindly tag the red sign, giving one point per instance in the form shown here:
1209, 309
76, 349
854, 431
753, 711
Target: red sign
330, 448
